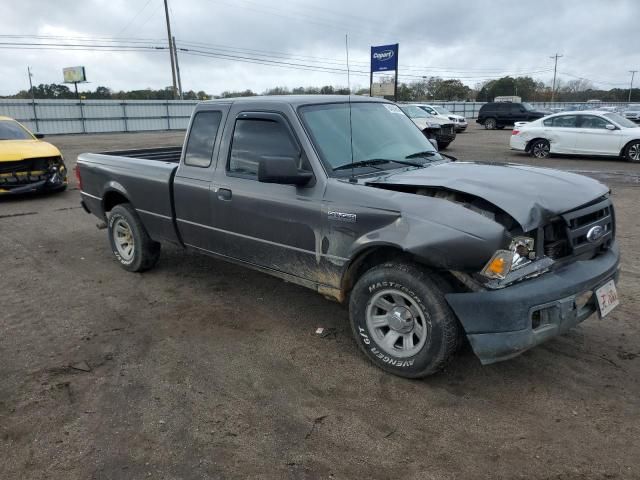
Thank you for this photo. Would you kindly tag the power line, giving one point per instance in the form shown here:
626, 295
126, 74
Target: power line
134, 17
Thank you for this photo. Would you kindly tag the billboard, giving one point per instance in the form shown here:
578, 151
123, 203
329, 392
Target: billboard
384, 58
384, 71
74, 75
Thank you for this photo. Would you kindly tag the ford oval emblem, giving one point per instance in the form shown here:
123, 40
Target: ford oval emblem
595, 233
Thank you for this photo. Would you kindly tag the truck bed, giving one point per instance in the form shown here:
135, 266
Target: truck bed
143, 176
162, 154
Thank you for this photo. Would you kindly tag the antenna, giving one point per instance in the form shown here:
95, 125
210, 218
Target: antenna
346, 46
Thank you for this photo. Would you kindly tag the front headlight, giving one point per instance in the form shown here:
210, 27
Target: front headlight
519, 254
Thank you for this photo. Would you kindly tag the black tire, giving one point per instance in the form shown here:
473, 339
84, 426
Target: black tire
490, 123
443, 145
422, 292
632, 152
539, 148
144, 251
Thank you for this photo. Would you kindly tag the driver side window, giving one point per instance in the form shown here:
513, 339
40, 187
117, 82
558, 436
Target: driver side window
591, 121
256, 139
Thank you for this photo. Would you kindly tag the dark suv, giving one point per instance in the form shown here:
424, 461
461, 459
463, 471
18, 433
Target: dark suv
500, 114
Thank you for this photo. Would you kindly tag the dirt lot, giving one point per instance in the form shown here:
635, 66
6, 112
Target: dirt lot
201, 369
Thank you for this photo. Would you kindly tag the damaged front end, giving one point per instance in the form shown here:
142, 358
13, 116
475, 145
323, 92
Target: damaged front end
33, 174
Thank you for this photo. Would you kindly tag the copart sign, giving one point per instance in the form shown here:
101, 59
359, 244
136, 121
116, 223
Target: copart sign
384, 58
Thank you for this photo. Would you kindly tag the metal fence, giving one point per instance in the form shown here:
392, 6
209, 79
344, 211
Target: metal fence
101, 116
98, 116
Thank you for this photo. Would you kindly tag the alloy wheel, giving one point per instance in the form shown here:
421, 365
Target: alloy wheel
397, 323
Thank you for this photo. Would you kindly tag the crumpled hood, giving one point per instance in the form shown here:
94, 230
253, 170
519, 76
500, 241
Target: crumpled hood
11, 150
531, 195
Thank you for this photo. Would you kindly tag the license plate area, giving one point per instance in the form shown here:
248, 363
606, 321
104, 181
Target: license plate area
607, 296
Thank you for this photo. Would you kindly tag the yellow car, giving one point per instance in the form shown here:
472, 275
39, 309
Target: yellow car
28, 164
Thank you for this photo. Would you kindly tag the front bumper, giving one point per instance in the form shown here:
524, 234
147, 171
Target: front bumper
501, 324
20, 182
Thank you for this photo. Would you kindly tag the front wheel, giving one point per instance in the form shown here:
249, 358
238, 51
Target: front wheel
129, 240
401, 321
540, 148
443, 145
632, 152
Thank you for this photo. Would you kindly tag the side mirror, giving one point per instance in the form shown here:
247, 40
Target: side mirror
283, 170
38, 135
609, 126
434, 142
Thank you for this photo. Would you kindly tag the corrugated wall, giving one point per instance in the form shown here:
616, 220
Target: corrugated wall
98, 116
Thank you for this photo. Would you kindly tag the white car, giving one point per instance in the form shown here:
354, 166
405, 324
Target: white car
632, 112
589, 132
459, 121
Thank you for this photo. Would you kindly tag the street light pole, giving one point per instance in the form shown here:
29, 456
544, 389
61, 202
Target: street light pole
633, 74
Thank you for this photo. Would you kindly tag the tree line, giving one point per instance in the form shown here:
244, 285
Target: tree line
427, 88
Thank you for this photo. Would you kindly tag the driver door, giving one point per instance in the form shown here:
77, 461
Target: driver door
271, 225
593, 137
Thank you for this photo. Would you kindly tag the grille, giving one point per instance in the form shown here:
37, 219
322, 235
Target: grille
26, 165
25, 171
569, 234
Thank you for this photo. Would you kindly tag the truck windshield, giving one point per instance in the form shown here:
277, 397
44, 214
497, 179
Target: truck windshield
10, 130
379, 131
527, 106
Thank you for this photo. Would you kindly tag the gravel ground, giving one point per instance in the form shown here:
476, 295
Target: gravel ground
202, 369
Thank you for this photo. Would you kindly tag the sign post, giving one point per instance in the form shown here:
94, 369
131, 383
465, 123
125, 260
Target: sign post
384, 61
76, 75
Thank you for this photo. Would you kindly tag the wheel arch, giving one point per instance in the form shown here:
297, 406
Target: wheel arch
527, 147
367, 258
112, 198
626, 145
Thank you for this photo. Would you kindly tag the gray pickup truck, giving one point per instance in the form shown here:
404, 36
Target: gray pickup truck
348, 197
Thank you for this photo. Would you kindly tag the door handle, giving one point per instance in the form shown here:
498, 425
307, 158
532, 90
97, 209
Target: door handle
224, 194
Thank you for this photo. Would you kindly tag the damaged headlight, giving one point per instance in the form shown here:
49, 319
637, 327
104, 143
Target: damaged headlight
519, 254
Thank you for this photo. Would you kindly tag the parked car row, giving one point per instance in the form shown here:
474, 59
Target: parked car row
442, 130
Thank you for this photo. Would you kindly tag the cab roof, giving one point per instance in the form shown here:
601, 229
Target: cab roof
296, 100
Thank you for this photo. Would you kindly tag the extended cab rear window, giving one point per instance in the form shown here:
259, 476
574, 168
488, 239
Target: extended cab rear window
202, 138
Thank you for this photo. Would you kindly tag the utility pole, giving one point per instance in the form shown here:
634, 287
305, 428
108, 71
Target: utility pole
33, 99
633, 74
175, 53
555, 69
169, 36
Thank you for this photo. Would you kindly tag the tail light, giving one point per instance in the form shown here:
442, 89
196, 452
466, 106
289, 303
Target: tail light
78, 177
515, 132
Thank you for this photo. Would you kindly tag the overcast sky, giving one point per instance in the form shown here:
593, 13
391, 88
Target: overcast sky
470, 40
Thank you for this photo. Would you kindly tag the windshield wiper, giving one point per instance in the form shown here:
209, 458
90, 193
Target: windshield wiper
372, 162
426, 153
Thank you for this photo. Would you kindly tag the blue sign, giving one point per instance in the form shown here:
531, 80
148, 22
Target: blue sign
384, 58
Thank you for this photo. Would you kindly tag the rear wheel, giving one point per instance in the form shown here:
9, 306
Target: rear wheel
632, 152
490, 123
443, 145
540, 148
401, 321
129, 240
